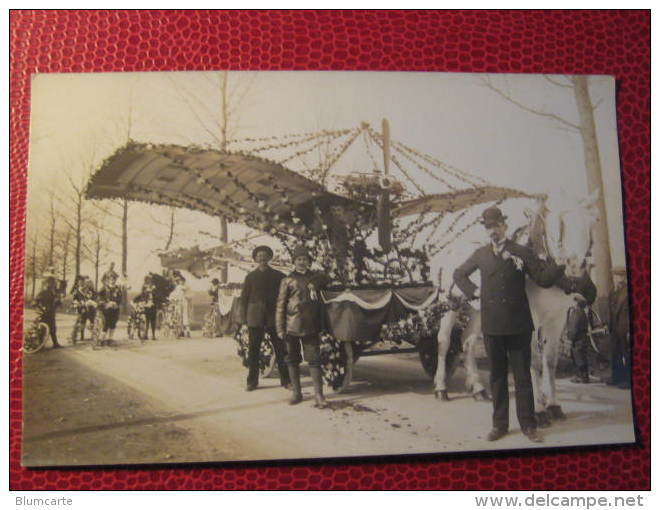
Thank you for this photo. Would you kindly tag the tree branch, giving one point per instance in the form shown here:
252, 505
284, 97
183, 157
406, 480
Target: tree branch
528, 108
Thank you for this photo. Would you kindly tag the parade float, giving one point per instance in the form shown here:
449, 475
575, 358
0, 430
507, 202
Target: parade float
373, 232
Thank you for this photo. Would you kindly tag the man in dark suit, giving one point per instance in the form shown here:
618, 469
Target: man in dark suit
619, 331
258, 301
506, 319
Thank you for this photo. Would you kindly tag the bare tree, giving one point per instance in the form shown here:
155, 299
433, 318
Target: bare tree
586, 128
220, 125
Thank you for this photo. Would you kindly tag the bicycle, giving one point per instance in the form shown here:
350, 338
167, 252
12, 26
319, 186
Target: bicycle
35, 335
82, 308
137, 323
173, 322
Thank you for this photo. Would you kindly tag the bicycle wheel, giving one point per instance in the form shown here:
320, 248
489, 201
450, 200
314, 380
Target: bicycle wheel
142, 329
130, 328
35, 337
75, 331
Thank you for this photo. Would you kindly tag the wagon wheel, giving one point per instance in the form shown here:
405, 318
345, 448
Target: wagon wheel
35, 337
267, 360
333, 360
428, 355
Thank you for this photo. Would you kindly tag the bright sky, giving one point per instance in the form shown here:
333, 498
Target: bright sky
80, 119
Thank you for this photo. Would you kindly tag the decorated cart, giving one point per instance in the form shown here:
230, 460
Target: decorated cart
374, 233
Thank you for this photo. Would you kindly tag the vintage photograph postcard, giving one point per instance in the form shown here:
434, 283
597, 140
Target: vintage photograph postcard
249, 266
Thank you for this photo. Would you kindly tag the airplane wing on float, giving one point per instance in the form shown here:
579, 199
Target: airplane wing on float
259, 193
455, 200
202, 262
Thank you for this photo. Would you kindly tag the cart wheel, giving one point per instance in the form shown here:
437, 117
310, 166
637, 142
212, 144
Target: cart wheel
428, 355
35, 337
241, 337
267, 361
333, 360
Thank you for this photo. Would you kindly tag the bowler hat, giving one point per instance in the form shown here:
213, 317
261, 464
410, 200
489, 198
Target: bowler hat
263, 248
492, 216
301, 251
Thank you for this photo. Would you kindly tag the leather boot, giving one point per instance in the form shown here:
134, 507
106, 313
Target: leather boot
294, 377
317, 380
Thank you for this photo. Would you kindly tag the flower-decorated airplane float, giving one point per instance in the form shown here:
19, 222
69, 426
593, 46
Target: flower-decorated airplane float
374, 233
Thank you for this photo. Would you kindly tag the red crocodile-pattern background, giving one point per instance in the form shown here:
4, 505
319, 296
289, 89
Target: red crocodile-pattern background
582, 42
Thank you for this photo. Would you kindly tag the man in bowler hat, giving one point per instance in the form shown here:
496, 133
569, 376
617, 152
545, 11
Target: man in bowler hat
258, 300
506, 319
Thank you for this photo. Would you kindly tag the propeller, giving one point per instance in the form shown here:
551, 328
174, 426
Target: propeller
383, 207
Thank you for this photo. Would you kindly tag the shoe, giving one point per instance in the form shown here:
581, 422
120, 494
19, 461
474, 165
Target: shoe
442, 395
287, 386
533, 435
251, 387
580, 379
56, 346
480, 396
294, 377
296, 398
496, 434
319, 400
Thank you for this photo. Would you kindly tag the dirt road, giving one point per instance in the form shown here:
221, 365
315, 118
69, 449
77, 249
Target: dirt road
185, 401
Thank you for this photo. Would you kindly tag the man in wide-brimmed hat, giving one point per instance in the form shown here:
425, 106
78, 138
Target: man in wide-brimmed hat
298, 322
506, 319
258, 300
47, 301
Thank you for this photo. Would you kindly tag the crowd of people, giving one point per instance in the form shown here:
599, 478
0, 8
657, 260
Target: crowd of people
286, 309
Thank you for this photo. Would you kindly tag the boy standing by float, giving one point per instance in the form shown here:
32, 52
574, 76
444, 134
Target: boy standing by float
298, 322
258, 299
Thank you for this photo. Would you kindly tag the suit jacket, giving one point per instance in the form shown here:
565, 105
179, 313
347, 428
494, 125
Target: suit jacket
619, 316
298, 309
504, 306
259, 297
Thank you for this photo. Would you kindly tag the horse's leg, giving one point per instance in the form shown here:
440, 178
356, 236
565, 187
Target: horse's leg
471, 336
348, 374
444, 340
550, 359
537, 370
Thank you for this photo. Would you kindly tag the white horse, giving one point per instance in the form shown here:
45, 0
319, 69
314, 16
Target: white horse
564, 234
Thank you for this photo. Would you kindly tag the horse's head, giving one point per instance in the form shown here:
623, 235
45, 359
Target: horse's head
561, 228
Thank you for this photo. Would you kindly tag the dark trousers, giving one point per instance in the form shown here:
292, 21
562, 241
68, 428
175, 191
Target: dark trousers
150, 317
49, 319
111, 316
311, 347
579, 351
87, 314
255, 337
620, 361
514, 350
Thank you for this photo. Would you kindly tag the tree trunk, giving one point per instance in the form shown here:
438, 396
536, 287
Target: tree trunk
170, 238
601, 247
34, 269
223, 127
97, 259
78, 233
124, 252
